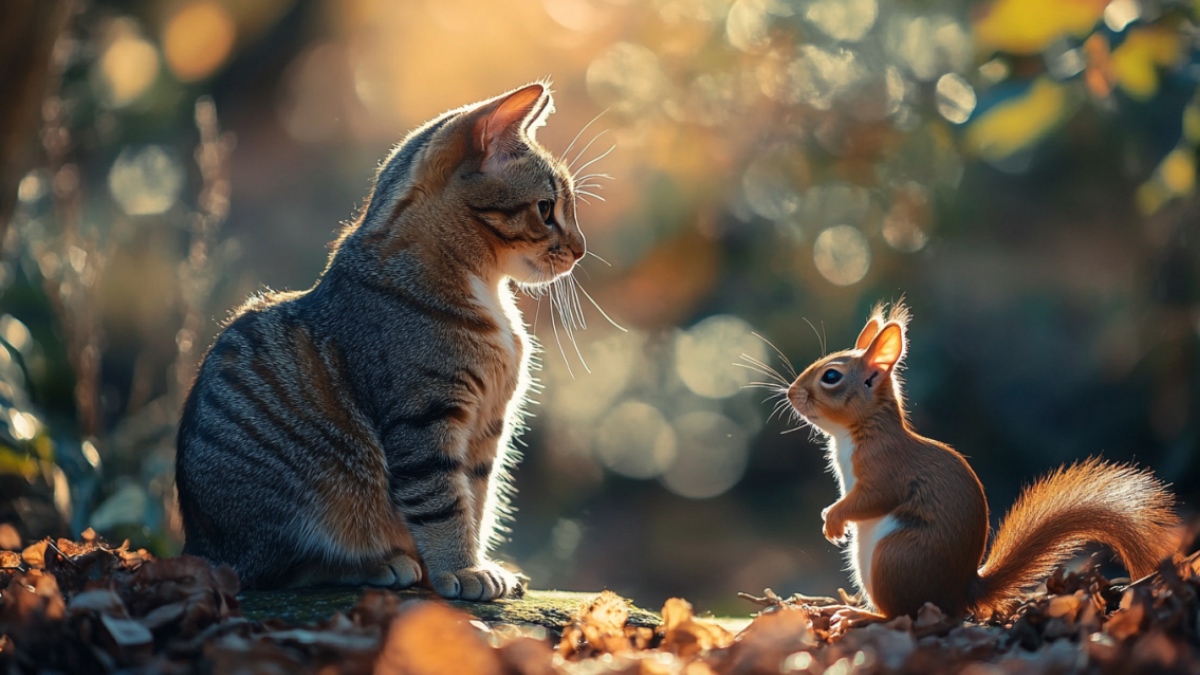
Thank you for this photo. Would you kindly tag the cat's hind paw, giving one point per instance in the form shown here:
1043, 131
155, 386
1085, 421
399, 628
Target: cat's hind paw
482, 583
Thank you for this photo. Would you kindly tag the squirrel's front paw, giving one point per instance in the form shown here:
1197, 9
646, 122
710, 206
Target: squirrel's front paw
835, 530
482, 583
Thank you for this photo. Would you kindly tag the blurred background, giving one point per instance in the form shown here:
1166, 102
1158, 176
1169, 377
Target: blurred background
1022, 171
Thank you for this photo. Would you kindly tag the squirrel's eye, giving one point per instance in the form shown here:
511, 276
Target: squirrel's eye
545, 209
831, 376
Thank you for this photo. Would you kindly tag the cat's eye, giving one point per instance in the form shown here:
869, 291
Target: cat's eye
545, 209
831, 377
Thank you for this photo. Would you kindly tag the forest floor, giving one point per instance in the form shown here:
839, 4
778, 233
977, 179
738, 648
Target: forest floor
87, 607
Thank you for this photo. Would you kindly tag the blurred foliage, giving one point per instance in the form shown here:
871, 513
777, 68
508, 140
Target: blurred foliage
1024, 171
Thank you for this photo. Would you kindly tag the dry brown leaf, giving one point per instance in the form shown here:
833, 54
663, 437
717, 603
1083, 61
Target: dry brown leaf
687, 637
1065, 606
599, 627
527, 656
10, 539
430, 638
1127, 621
99, 601
767, 641
35, 555
126, 632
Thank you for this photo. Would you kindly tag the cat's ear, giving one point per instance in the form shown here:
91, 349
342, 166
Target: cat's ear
498, 131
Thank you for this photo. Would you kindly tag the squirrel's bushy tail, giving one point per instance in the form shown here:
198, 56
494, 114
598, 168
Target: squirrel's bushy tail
1122, 507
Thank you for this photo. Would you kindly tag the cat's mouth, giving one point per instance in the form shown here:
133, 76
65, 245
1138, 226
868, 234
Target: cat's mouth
546, 269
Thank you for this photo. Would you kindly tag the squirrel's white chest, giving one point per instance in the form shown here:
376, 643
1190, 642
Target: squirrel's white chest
841, 456
867, 533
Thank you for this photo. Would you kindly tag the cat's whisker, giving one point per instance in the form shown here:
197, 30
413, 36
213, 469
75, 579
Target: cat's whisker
786, 361
578, 303
569, 320
589, 176
570, 167
584, 199
580, 133
606, 153
590, 194
554, 327
601, 309
598, 258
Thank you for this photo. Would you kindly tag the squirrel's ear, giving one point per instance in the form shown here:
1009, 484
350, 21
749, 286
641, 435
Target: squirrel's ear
884, 352
868, 333
498, 130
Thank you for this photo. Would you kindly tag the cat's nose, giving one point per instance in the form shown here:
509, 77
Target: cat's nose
577, 252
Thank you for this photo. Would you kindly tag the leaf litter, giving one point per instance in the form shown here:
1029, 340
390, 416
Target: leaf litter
88, 607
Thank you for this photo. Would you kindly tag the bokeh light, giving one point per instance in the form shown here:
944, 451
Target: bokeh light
706, 356
128, 65
712, 456
772, 181
197, 39
747, 24
906, 225
955, 98
145, 181
845, 20
626, 78
635, 440
842, 255
583, 397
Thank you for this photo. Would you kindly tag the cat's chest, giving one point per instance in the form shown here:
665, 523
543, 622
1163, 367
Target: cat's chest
505, 346
497, 303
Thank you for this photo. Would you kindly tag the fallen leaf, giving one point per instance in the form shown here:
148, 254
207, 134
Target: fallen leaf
430, 638
10, 539
685, 636
126, 632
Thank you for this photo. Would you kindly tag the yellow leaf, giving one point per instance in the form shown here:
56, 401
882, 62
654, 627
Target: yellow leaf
1191, 123
1178, 170
1150, 197
1029, 26
1019, 122
1136, 61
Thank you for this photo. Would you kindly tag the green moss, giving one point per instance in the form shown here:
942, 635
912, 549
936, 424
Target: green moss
552, 609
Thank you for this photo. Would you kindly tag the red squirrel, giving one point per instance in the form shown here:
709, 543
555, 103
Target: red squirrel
917, 509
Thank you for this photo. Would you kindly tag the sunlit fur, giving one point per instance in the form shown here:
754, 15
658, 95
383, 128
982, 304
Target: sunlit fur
361, 432
920, 510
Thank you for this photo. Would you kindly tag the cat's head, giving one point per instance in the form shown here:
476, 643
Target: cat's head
476, 179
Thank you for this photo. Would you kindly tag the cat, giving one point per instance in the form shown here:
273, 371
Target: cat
359, 432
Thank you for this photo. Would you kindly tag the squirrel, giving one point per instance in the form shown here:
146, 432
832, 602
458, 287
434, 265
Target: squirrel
917, 509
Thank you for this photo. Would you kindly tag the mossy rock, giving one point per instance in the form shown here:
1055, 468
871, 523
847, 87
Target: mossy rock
551, 609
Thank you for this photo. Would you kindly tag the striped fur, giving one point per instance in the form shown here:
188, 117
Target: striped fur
360, 432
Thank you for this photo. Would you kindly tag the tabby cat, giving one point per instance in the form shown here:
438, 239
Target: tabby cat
359, 432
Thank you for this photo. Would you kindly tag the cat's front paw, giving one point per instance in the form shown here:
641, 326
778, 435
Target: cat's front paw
405, 569
482, 583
